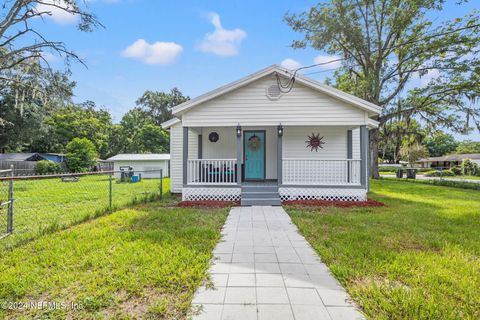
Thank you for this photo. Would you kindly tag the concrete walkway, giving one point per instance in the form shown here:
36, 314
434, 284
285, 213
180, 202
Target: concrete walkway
264, 269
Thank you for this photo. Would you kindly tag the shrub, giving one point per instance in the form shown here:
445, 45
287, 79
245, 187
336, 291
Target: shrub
457, 170
470, 168
81, 154
47, 167
440, 173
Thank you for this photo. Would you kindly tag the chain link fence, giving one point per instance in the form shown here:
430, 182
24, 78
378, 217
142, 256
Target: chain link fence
35, 205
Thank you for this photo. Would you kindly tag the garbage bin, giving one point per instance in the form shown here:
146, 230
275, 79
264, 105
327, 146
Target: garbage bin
399, 173
411, 173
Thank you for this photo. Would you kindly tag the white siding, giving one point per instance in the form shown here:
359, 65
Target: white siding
176, 156
250, 106
139, 166
356, 143
335, 138
224, 148
192, 144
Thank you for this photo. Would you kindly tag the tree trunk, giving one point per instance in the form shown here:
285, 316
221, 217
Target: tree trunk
373, 142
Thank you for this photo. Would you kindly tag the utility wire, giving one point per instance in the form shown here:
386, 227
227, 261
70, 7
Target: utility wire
288, 86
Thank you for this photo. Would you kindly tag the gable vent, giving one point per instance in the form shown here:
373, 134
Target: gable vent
273, 92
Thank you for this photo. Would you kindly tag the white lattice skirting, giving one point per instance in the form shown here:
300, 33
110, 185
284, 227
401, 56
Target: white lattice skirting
218, 194
338, 194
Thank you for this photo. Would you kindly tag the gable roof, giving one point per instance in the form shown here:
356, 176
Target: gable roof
452, 157
167, 124
33, 156
140, 157
313, 84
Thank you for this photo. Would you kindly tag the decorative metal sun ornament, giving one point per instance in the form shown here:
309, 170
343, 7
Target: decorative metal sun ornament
314, 142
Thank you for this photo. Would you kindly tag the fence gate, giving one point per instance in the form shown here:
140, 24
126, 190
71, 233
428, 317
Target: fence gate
6, 202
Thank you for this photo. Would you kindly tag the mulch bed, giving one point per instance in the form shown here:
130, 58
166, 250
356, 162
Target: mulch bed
208, 204
340, 204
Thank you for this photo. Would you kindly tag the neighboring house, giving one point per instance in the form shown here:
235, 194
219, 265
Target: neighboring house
448, 161
149, 165
25, 163
34, 156
21, 157
55, 157
249, 140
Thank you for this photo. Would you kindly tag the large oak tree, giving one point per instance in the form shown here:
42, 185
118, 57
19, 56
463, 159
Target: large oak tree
385, 45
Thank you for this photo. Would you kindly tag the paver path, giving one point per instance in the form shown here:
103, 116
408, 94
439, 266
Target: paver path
264, 269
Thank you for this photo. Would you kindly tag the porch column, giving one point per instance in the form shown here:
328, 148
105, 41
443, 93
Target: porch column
200, 146
185, 154
280, 154
363, 155
238, 132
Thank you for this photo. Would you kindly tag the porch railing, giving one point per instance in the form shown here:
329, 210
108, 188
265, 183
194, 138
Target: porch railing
321, 172
212, 171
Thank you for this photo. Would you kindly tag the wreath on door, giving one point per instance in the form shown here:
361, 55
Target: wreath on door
254, 143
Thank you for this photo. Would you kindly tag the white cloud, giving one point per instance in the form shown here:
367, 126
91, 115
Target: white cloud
325, 60
155, 53
57, 14
49, 57
290, 64
222, 42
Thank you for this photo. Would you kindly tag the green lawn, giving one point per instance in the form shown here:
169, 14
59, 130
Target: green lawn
45, 205
142, 262
387, 173
467, 177
416, 258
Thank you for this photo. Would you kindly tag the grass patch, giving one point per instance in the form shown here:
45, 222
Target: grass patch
47, 205
387, 173
467, 177
415, 258
143, 262
441, 182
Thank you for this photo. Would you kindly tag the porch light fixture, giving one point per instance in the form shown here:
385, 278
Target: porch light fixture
239, 131
280, 130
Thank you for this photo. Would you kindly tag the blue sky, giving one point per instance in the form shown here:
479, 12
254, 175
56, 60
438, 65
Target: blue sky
193, 45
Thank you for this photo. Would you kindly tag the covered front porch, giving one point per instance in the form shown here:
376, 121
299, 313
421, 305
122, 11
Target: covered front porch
218, 162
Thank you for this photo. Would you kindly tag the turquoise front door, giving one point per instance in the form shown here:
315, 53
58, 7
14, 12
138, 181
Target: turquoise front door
254, 152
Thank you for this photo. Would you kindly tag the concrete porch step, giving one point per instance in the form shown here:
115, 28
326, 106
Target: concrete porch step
261, 202
260, 195
259, 188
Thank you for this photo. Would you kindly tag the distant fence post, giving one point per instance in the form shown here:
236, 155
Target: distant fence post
10, 203
161, 183
110, 195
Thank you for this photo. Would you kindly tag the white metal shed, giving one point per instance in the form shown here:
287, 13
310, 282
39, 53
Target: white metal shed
147, 164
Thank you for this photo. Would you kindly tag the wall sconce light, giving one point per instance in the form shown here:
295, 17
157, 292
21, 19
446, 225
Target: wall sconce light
280, 130
239, 131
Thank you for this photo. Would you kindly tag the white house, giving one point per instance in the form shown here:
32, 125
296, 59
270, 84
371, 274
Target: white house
149, 165
259, 142
448, 161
